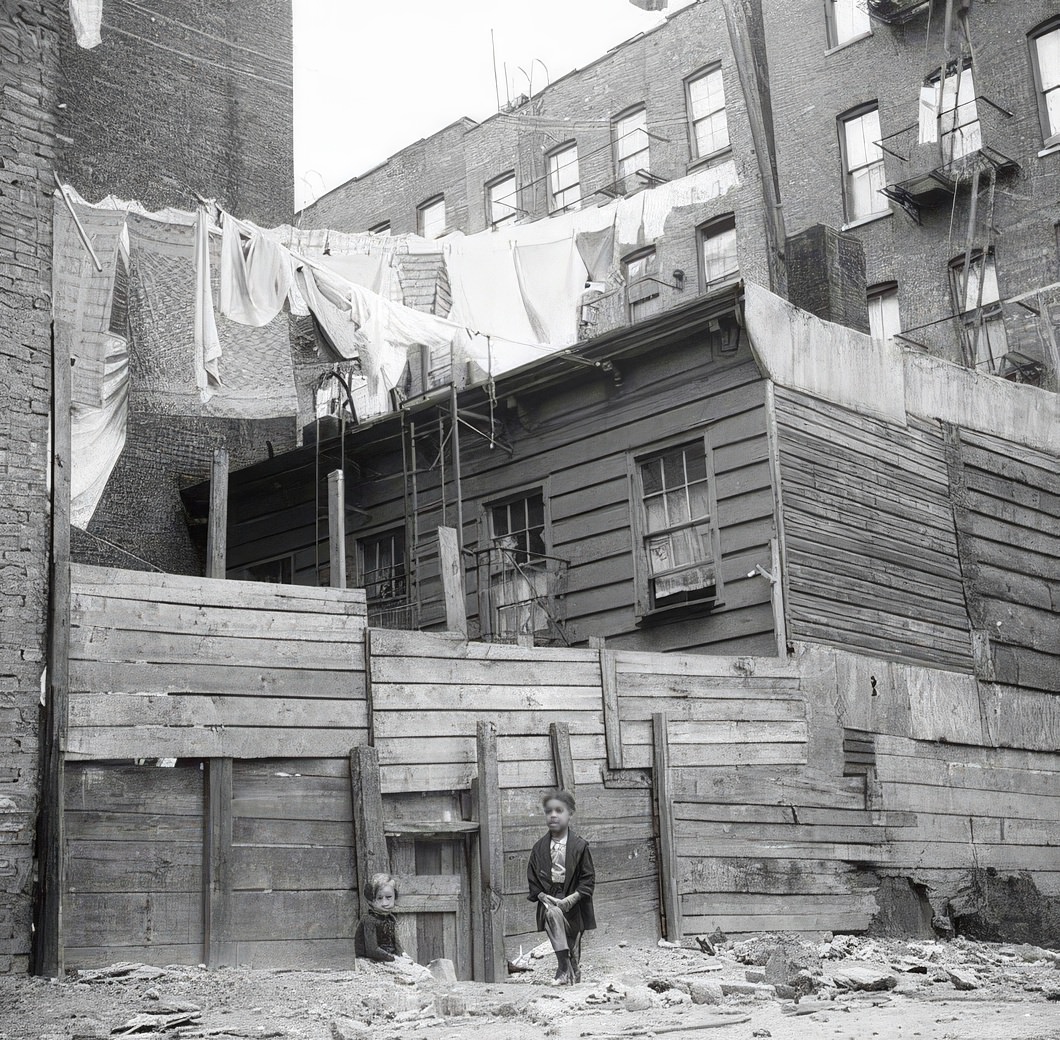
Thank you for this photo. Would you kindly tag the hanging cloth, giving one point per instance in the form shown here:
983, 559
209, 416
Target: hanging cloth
207, 344
929, 114
255, 283
86, 16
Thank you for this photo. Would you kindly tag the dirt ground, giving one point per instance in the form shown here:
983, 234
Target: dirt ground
935, 990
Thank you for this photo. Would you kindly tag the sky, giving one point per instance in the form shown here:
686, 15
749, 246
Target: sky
371, 76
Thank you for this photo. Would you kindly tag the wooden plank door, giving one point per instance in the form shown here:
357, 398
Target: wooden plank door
434, 904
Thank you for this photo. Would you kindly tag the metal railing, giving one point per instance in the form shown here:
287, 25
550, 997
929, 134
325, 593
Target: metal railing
519, 595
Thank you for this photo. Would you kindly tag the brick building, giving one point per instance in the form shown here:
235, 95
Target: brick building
836, 121
195, 96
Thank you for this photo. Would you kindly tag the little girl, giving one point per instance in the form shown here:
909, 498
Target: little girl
376, 936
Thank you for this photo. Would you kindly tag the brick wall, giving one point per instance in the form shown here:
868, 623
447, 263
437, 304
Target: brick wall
183, 97
826, 276
29, 54
811, 87
651, 70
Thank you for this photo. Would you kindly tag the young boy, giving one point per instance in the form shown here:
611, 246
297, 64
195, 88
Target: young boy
376, 935
562, 878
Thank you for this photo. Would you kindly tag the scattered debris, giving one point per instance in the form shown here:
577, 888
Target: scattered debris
964, 980
857, 977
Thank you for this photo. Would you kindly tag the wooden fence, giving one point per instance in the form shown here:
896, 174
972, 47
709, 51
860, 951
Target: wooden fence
240, 756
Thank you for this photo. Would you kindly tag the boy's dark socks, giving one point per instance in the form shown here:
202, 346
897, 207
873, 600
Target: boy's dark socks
562, 963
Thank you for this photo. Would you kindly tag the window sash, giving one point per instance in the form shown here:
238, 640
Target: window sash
707, 115
631, 143
502, 200
432, 219
718, 256
959, 129
564, 186
1047, 73
884, 316
863, 159
847, 19
976, 270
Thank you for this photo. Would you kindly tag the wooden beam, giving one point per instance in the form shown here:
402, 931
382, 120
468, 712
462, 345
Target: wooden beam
451, 564
559, 737
776, 597
369, 695
217, 529
369, 836
48, 951
491, 855
778, 544
218, 947
612, 722
337, 529
478, 920
671, 900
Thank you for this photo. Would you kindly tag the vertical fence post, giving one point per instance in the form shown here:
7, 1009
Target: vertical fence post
369, 837
337, 529
217, 529
451, 565
218, 947
663, 790
491, 855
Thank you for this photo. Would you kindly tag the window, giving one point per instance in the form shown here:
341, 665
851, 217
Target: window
847, 20
718, 259
1045, 59
978, 302
564, 191
383, 576
630, 134
518, 573
708, 124
863, 172
677, 538
277, 571
382, 228
431, 217
500, 199
959, 129
642, 285
884, 321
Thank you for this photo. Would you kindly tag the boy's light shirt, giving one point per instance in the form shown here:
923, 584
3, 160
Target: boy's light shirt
558, 850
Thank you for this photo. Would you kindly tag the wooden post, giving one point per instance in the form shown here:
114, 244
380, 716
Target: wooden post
663, 790
491, 855
612, 723
218, 947
48, 951
478, 965
369, 837
451, 564
217, 531
559, 737
776, 595
337, 529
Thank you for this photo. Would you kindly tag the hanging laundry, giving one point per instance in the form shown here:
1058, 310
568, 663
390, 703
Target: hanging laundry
597, 250
86, 16
929, 113
207, 345
255, 279
552, 279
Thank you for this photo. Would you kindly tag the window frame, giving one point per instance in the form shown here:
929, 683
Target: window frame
617, 160
832, 27
938, 81
421, 213
878, 291
644, 611
842, 120
239, 573
1050, 137
710, 229
989, 313
493, 182
554, 153
382, 229
361, 572
691, 119
651, 280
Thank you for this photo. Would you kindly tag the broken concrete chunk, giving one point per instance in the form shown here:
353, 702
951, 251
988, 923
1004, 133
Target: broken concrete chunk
348, 1029
638, 998
962, 978
754, 975
443, 970
706, 992
864, 978
450, 1005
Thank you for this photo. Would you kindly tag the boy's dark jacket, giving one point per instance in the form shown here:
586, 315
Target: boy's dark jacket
580, 877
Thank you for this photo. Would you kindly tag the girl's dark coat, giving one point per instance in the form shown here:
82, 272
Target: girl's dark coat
580, 877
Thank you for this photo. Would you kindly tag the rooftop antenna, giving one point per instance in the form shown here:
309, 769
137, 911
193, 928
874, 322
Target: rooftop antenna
507, 92
496, 84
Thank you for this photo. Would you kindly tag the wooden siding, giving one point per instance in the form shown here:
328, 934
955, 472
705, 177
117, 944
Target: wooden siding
429, 692
871, 550
574, 442
764, 839
133, 887
1007, 507
164, 666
